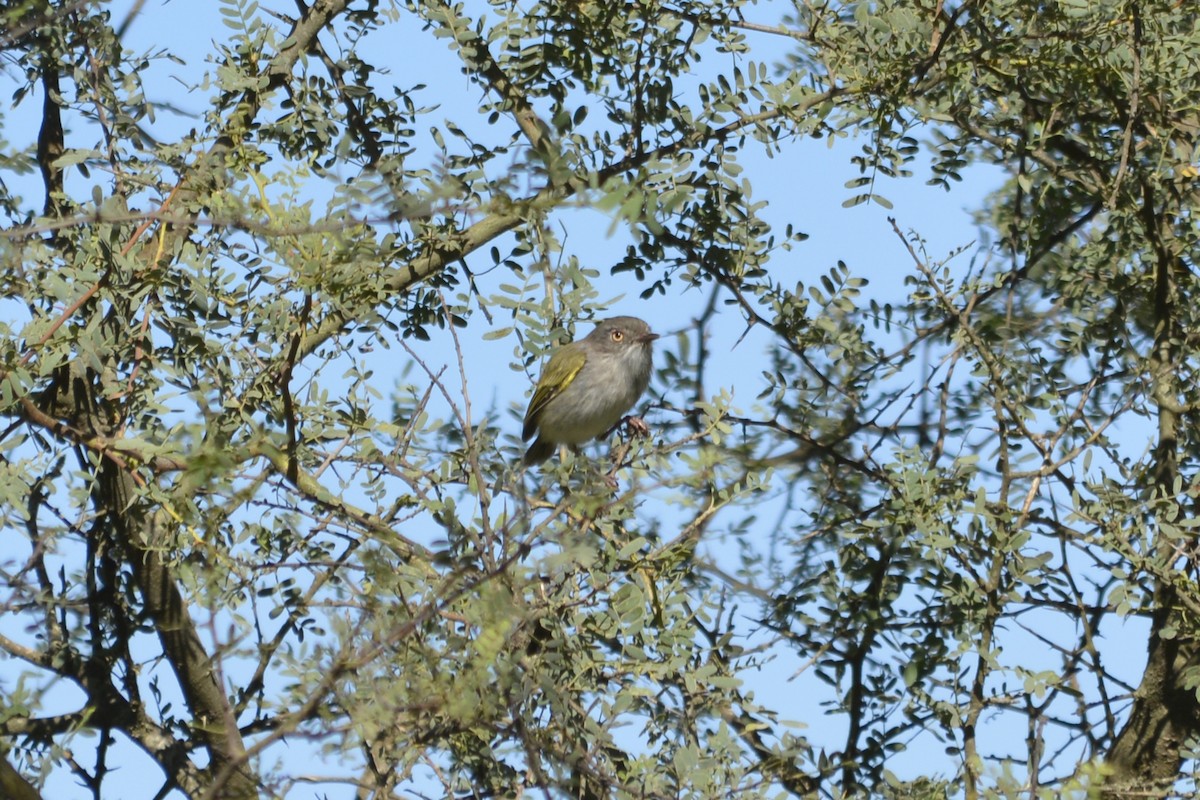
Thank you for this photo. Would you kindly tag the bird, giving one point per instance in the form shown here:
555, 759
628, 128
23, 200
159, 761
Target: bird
587, 386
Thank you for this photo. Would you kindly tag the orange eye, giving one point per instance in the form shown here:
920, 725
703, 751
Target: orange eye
617, 336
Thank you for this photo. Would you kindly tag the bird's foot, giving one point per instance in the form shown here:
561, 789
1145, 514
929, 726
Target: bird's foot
637, 425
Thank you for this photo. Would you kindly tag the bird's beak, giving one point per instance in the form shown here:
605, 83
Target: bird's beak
646, 338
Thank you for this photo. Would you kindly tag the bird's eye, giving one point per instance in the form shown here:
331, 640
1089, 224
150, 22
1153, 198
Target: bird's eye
617, 336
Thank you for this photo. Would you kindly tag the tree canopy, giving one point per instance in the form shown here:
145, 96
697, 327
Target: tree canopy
266, 535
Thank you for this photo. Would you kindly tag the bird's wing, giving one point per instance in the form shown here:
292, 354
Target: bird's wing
560, 370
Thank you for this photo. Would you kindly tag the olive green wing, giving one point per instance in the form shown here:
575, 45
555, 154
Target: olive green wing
560, 370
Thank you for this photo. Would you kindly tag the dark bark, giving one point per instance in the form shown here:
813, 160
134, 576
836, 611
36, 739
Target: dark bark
1147, 754
1149, 750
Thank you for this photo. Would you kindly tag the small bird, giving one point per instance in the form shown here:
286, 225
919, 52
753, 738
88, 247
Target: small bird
588, 385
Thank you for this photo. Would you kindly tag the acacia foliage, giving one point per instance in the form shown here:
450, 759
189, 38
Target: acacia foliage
231, 534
